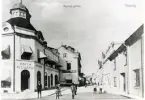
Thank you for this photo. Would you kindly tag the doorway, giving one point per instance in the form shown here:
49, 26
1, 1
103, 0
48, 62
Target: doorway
123, 82
56, 80
51, 80
48, 81
25, 79
38, 77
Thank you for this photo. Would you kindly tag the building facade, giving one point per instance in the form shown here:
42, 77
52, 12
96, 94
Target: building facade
71, 70
25, 55
123, 67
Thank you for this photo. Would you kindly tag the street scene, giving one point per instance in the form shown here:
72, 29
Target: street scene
72, 49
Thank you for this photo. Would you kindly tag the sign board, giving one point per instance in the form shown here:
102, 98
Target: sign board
68, 76
24, 65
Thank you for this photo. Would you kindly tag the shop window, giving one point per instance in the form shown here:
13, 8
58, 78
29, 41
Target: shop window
137, 77
6, 52
68, 66
68, 81
45, 79
115, 82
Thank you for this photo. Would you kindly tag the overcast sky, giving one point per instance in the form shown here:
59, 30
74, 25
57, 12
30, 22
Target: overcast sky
87, 25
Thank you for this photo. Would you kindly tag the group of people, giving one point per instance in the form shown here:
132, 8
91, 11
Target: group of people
97, 88
73, 90
58, 90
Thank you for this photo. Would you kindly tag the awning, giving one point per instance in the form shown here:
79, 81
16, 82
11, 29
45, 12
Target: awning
6, 52
42, 55
58, 65
50, 61
26, 49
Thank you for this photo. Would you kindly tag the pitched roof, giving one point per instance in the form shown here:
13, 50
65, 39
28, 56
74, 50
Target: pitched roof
21, 22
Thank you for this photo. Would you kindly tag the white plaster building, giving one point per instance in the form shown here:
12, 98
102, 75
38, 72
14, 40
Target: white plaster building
71, 70
123, 68
25, 55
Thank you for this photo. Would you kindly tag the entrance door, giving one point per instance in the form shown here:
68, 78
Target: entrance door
49, 81
38, 77
25, 75
123, 82
56, 79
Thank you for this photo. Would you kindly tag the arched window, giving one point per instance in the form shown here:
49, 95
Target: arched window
51, 80
25, 75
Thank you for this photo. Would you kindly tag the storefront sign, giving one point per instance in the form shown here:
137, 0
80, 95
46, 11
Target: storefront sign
68, 76
24, 65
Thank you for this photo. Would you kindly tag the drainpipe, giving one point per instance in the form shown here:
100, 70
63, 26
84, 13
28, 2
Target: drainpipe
44, 68
14, 62
142, 65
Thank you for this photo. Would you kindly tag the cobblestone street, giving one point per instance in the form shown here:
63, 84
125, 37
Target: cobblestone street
83, 94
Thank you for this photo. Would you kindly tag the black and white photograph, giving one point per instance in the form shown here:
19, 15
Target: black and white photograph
72, 50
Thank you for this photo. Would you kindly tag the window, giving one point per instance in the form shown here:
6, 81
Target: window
115, 82
114, 64
38, 56
68, 66
137, 77
26, 52
6, 54
64, 55
125, 54
26, 56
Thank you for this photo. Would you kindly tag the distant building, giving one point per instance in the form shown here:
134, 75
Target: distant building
25, 55
123, 68
71, 70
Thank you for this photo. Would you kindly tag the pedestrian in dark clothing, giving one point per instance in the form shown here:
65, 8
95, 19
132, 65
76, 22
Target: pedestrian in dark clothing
73, 89
76, 89
39, 87
95, 89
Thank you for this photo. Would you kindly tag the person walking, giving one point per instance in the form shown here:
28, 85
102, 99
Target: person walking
57, 92
39, 87
76, 89
101, 89
95, 89
73, 89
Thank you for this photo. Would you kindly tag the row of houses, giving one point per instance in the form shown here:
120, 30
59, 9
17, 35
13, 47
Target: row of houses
27, 59
122, 67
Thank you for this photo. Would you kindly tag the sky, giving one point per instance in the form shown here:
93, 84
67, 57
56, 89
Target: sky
87, 25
